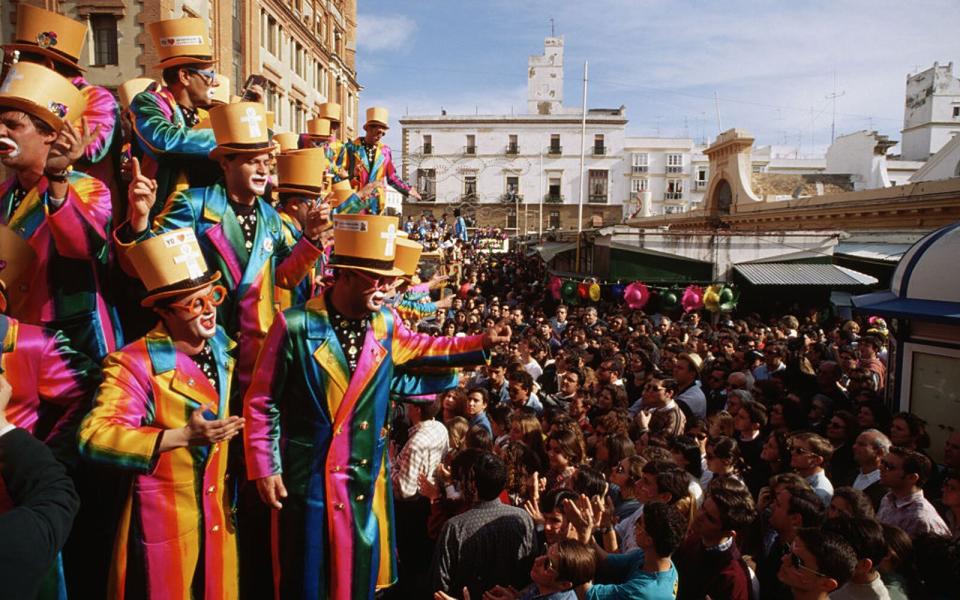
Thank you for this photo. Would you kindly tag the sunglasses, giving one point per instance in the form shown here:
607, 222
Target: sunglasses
201, 304
209, 74
797, 563
379, 282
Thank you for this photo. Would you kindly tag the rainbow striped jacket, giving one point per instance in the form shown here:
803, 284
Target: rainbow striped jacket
250, 276
73, 252
177, 517
325, 430
353, 159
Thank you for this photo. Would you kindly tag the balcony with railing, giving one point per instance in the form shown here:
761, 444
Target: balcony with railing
554, 150
673, 196
701, 184
512, 149
428, 149
553, 198
639, 169
468, 197
470, 150
599, 150
511, 198
674, 169
597, 198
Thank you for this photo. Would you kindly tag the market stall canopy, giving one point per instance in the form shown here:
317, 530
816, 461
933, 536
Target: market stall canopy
802, 274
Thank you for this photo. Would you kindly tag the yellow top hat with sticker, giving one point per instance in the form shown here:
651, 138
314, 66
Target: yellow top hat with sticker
319, 127
377, 115
301, 172
50, 34
330, 111
43, 93
16, 262
240, 128
170, 264
408, 256
181, 41
129, 89
366, 243
288, 142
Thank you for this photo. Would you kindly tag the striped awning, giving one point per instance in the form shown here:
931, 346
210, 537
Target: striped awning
802, 274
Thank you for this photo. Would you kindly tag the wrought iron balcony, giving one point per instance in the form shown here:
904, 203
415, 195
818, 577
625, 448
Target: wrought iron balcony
513, 149
674, 169
639, 168
511, 198
470, 150
554, 150
597, 198
673, 196
599, 150
553, 198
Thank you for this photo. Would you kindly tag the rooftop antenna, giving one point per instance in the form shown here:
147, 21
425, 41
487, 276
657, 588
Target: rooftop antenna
552, 29
833, 97
716, 102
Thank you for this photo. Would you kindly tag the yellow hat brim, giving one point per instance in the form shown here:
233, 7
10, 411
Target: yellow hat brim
53, 55
32, 108
151, 299
176, 61
221, 151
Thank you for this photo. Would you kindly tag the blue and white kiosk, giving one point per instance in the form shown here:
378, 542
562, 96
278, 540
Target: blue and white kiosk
923, 308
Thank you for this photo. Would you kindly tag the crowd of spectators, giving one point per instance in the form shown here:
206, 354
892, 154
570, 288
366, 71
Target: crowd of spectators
609, 453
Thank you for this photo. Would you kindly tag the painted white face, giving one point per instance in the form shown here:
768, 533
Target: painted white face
9, 148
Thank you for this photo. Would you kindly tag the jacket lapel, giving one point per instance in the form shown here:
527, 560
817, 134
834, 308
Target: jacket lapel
188, 380
328, 355
224, 233
371, 356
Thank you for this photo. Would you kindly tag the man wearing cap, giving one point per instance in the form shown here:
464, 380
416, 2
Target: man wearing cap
368, 162
240, 233
322, 383
175, 152
56, 41
162, 413
63, 215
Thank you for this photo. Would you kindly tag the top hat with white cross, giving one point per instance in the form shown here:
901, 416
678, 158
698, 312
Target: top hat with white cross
366, 243
240, 128
171, 264
43, 93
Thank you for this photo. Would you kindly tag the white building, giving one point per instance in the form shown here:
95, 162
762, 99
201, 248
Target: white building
932, 112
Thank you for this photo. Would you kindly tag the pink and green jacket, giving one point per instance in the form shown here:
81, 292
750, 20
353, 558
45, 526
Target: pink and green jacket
72, 246
353, 159
325, 431
249, 276
177, 518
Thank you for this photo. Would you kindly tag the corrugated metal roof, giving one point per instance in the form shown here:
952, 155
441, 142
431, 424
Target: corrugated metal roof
872, 250
802, 274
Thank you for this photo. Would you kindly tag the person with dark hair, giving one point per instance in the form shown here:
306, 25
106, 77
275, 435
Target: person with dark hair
625, 475
647, 572
478, 399
660, 481
842, 430
658, 411
748, 423
817, 564
793, 508
850, 502
907, 430
773, 362
490, 544
709, 561
904, 472
520, 390
869, 349
564, 456
499, 416
866, 538
496, 378
898, 568
568, 386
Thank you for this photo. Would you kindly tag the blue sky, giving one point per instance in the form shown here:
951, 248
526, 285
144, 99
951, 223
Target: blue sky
772, 63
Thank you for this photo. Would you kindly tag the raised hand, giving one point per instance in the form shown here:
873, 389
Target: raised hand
499, 334
318, 220
532, 506
69, 145
141, 196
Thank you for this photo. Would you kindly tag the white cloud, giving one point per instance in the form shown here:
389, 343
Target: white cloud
381, 33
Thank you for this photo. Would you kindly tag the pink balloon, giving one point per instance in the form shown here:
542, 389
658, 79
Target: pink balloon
554, 286
636, 295
692, 298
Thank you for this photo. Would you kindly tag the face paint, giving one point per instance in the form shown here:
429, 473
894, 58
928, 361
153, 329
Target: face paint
9, 148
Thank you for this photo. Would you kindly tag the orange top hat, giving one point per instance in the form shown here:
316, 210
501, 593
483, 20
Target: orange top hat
408, 256
288, 142
240, 128
43, 93
319, 127
377, 115
181, 41
170, 264
129, 89
16, 260
330, 111
366, 243
301, 172
48, 33
342, 190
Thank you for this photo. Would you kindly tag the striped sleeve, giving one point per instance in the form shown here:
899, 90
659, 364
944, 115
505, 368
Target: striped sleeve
114, 432
80, 225
423, 350
261, 412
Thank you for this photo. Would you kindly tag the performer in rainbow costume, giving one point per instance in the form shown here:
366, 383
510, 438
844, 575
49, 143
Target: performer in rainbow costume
317, 414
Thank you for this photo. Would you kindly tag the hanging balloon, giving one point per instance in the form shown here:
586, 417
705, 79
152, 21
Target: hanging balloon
554, 286
616, 291
583, 290
692, 298
711, 298
569, 291
636, 295
594, 292
728, 299
669, 300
